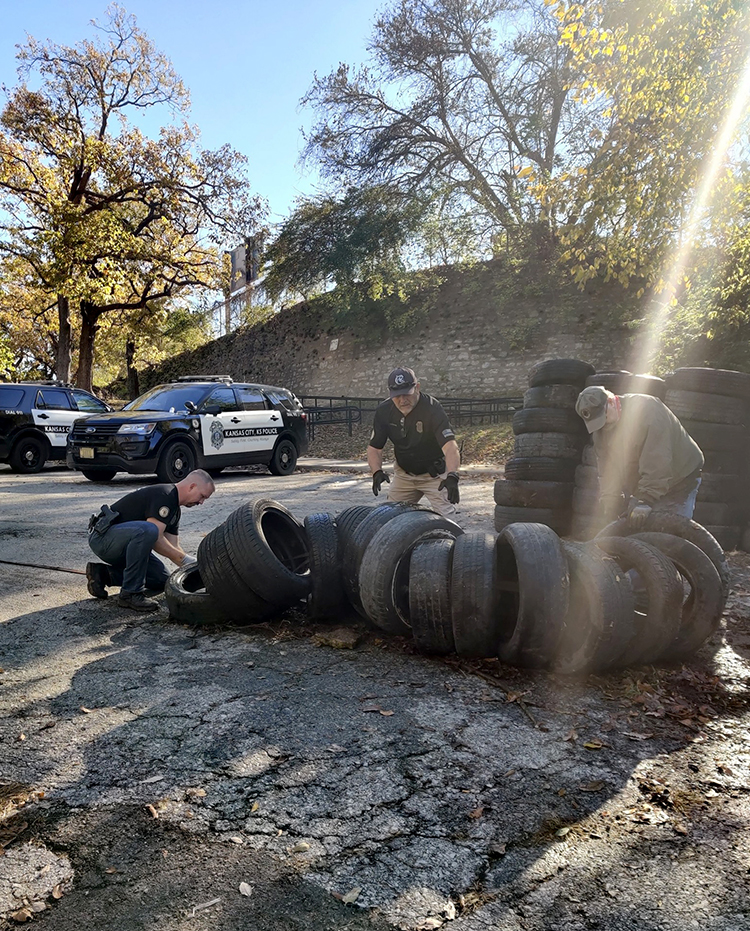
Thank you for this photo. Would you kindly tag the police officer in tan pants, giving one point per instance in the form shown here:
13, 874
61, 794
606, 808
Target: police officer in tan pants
424, 445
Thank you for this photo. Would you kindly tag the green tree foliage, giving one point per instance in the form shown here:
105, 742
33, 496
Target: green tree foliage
105, 219
660, 75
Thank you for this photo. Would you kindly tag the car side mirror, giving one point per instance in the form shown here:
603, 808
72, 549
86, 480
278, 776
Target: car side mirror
191, 407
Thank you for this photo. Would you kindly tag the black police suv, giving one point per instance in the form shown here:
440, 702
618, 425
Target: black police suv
206, 422
35, 419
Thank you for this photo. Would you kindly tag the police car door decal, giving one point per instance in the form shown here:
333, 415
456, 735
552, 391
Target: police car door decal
55, 423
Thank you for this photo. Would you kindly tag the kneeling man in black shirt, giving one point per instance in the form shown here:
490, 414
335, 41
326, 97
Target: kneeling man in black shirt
424, 445
127, 534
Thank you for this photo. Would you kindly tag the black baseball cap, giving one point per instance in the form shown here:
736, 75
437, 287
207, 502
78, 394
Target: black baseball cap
401, 381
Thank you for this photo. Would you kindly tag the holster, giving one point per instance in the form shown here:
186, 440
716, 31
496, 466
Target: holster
101, 522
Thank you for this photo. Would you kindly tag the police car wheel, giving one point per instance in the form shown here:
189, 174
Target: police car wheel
177, 461
28, 455
284, 459
99, 475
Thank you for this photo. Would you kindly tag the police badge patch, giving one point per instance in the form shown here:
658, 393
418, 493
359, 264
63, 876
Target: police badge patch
164, 512
217, 434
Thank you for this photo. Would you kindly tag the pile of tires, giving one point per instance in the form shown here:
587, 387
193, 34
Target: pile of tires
713, 406
250, 568
587, 521
550, 437
571, 608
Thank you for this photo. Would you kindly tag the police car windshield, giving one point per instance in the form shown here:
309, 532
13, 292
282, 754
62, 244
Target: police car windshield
168, 397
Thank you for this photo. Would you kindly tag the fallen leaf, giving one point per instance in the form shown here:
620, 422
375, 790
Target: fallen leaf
593, 745
477, 813
337, 895
255, 806
371, 707
386, 714
236, 840
561, 832
299, 847
246, 889
111, 869
154, 812
152, 779
57, 892
680, 828
571, 735
510, 772
195, 793
725, 770
22, 915
351, 896
22, 737
335, 748
596, 786
45, 869
85, 710
498, 849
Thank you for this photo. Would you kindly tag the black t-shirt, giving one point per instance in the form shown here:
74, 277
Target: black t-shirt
159, 501
418, 438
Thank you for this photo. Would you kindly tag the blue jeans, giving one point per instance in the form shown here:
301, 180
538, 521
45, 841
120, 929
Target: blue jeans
127, 548
682, 503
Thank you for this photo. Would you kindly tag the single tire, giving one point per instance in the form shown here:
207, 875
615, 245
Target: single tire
660, 522
511, 493
219, 572
715, 512
476, 621
351, 557
533, 587
585, 500
548, 445
188, 601
701, 611
271, 550
347, 522
430, 597
326, 598
716, 437
717, 462
560, 372
718, 486
99, 475
558, 518
659, 625
712, 381
710, 408
28, 455
588, 456
176, 462
727, 536
587, 477
284, 458
600, 621
536, 469
559, 397
384, 572
548, 420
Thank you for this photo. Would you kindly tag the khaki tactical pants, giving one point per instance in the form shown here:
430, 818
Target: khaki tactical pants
411, 488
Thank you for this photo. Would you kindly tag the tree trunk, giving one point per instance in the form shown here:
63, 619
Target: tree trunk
62, 358
90, 314
133, 388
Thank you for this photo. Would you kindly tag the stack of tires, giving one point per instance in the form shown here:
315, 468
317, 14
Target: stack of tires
586, 520
250, 568
712, 405
550, 436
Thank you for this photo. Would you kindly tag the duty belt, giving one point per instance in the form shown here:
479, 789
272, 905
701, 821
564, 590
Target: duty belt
101, 522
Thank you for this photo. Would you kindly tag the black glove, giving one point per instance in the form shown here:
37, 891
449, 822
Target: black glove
450, 483
377, 480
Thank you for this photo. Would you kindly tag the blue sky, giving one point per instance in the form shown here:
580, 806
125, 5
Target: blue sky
246, 64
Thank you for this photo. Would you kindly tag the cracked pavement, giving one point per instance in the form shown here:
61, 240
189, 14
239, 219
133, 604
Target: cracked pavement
149, 768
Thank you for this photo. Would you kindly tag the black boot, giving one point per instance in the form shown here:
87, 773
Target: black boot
97, 574
136, 601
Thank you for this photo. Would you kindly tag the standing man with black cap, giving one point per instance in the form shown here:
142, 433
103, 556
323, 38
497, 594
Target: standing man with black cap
424, 445
643, 452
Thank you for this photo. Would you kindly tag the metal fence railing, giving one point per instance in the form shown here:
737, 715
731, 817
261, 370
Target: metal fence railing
326, 410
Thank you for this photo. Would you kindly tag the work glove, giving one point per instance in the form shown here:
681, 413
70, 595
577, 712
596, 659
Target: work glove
450, 484
187, 561
377, 480
638, 516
